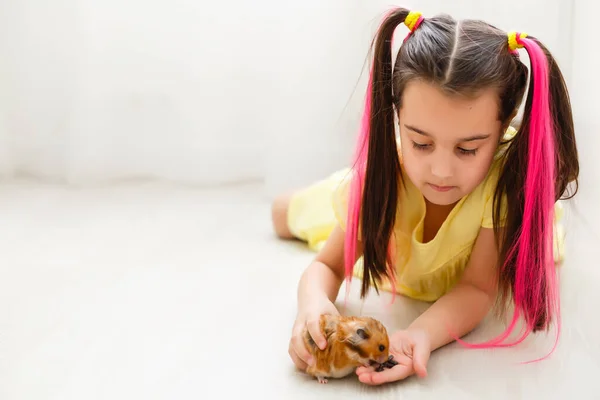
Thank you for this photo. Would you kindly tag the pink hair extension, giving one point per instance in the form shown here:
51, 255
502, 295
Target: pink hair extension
356, 190
355, 196
536, 288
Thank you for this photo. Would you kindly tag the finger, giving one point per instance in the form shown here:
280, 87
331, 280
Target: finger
314, 329
366, 377
396, 373
301, 365
420, 359
301, 351
363, 370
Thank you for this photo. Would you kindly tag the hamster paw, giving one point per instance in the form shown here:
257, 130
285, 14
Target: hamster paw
321, 379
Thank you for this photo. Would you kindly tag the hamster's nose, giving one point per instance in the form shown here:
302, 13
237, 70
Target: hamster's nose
382, 358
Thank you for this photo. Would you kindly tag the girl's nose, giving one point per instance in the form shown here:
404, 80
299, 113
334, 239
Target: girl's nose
442, 169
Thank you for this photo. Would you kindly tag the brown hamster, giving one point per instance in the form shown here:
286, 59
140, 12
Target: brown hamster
351, 342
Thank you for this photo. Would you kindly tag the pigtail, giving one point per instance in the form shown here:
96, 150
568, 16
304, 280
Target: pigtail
542, 161
376, 169
535, 287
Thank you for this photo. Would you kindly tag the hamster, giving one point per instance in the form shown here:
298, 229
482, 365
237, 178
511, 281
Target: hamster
351, 342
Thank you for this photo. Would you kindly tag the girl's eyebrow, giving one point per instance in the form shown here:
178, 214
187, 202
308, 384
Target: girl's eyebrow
467, 139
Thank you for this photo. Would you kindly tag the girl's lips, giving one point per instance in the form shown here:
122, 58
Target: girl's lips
441, 188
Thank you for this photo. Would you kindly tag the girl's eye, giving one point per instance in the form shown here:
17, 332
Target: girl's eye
467, 151
419, 146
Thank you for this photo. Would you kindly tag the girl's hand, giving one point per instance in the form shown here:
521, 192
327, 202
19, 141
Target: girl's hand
411, 349
309, 316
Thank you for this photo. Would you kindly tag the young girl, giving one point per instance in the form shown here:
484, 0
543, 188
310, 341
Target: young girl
459, 209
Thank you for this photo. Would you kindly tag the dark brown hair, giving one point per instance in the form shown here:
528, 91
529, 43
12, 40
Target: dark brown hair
462, 58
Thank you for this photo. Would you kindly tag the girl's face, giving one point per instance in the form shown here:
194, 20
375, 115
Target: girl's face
447, 142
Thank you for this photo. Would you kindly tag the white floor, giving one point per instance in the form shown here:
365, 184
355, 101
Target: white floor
153, 291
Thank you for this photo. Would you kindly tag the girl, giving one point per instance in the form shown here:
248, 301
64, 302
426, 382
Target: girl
459, 209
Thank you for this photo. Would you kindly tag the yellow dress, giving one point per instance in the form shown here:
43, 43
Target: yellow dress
425, 271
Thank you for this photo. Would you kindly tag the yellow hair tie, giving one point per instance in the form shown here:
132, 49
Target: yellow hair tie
513, 44
411, 19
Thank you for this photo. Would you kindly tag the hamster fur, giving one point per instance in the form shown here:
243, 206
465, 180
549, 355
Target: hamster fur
351, 342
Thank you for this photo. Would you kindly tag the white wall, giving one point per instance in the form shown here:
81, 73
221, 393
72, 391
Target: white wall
196, 91
102, 90
323, 50
40, 44
585, 92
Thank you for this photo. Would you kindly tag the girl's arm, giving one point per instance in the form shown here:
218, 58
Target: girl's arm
324, 276
317, 291
464, 307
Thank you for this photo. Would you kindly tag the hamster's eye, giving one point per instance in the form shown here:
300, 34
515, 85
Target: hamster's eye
381, 347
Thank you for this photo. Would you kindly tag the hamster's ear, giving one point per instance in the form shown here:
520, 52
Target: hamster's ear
362, 333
